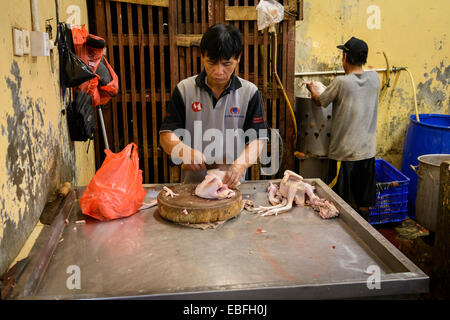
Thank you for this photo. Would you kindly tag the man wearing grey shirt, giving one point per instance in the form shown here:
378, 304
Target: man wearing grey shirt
215, 102
353, 127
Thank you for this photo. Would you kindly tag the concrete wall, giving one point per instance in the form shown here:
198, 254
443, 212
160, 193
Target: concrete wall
36, 154
412, 33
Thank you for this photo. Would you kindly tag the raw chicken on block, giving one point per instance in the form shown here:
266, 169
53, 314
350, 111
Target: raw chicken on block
212, 187
169, 192
293, 189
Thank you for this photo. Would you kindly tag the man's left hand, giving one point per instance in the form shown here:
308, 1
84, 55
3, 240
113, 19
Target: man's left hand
233, 175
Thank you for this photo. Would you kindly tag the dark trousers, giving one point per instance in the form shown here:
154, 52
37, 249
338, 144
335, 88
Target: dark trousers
356, 183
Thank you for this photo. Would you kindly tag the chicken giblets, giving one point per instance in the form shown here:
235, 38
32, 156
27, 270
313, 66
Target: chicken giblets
212, 186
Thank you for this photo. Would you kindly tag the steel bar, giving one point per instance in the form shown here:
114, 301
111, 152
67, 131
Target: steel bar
45, 254
337, 72
102, 122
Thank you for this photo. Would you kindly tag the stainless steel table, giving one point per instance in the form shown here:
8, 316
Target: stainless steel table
299, 256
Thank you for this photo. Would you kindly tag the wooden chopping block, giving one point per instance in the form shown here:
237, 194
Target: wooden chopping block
198, 210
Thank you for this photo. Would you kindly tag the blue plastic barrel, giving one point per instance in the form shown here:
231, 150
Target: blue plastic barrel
429, 136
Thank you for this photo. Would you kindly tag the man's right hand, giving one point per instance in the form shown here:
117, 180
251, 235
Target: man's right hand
174, 147
196, 161
316, 88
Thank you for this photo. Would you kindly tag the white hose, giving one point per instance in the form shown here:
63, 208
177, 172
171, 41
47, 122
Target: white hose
414, 93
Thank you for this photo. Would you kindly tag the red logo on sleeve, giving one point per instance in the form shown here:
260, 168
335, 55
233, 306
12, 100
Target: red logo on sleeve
258, 120
197, 107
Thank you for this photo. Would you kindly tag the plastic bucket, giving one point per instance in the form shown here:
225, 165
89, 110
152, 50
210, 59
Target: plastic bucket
429, 136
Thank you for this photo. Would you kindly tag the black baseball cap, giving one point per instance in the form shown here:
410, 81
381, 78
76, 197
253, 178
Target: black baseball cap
355, 47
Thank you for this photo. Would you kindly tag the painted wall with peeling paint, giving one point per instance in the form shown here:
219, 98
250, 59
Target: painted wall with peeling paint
412, 33
37, 155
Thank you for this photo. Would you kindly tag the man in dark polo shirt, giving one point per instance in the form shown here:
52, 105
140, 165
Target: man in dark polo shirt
215, 108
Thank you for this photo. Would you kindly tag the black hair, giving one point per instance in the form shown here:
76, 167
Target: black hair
221, 41
358, 59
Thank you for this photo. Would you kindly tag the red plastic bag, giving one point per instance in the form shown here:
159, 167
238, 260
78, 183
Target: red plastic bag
116, 189
92, 56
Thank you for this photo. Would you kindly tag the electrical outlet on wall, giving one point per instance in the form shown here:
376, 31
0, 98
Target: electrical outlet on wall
26, 42
17, 42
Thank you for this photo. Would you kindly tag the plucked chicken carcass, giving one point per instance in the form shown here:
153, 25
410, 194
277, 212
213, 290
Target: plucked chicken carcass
212, 187
293, 189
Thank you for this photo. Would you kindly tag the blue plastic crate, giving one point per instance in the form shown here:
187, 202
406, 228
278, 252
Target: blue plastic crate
392, 194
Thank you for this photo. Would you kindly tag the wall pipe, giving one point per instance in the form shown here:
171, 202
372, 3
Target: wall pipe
393, 69
336, 72
34, 14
